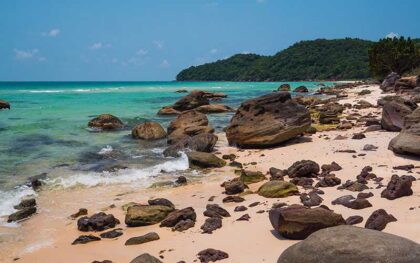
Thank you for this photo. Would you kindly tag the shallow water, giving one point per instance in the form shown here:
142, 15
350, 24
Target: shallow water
46, 130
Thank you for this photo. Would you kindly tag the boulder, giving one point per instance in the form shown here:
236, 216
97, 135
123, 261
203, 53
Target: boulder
22, 214
214, 108
211, 224
354, 220
183, 225
106, 122
97, 222
249, 177
204, 160
408, 141
145, 258
195, 99
203, 142
301, 89
152, 236
267, 121
174, 217
350, 244
234, 187
4, 105
284, 87
83, 239
311, 199
161, 201
398, 187
211, 255
277, 189
144, 215
148, 131
389, 82
214, 210
304, 168
393, 114
408, 83
188, 123
379, 219
298, 222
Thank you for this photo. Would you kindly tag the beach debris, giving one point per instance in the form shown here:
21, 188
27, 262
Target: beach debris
152, 236
379, 219
398, 187
83, 239
211, 255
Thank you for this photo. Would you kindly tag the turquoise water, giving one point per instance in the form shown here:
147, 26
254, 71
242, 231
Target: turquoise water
46, 129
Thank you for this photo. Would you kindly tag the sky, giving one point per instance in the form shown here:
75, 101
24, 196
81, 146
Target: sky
135, 40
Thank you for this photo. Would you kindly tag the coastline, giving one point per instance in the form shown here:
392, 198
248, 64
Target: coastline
47, 236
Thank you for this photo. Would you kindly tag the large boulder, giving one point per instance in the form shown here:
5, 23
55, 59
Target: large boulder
144, 215
188, 123
4, 105
408, 141
389, 82
203, 142
350, 244
277, 189
193, 100
267, 121
393, 114
298, 222
407, 84
148, 131
398, 187
106, 122
204, 160
214, 108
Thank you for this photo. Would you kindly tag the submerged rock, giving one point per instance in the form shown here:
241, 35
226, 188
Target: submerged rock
350, 244
301, 89
148, 131
267, 121
106, 122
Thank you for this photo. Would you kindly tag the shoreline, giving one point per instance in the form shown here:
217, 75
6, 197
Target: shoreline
47, 236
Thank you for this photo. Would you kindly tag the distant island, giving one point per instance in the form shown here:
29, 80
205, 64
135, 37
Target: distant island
320, 59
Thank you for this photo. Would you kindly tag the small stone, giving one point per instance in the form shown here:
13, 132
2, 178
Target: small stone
245, 217
152, 236
81, 212
233, 199
211, 224
353, 220
112, 234
240, 208
83, 239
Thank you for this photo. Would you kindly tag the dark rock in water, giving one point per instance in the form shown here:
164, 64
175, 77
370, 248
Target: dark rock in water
245, 217
277, 189
148, 131
204, 160
195, 99
354, 220
379, 219
168, 111
298, 222
81, 212
240, 208
328, 181
36, 181
106, 122
233, 199
358, 136
174, 217
331, 167
267, 121
144, 215
211, 224
181, 91
83, 239
22, 214
408, 141
26, 203
181, 180
389, 82
311, 199
301, 89
4, 105
249, 177
145, 258
183, 225
152, 236
304, 168
211, 255
214, 210
284, 87
97, 222
277, 174
161, 201
112, 233
393, 114
234, 187
398, 187
350, 244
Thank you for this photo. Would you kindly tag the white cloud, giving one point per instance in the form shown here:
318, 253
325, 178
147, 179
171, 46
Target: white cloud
159, 44
25, 54
391, 35
52, 33
97, 45
213, 50
142, 52
164, 64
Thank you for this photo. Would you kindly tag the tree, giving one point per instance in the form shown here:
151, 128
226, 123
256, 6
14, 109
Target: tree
393, 55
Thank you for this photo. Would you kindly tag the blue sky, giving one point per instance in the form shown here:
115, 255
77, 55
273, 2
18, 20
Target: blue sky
154, 40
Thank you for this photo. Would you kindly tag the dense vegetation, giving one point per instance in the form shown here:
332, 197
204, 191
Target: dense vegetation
394, 55
319, 59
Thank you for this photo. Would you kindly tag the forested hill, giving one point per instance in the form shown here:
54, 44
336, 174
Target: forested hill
321, 59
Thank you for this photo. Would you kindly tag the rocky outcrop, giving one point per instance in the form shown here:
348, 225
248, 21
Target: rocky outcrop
144, 215
267, 121
408, 141
4, 105
393, 114
106, 122
277, 189
398, 187
389, 82
148, 131
189, 123
350, 244
204, 160
214, 108
298, 222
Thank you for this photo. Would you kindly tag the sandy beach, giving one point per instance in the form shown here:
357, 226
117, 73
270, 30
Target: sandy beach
47, 236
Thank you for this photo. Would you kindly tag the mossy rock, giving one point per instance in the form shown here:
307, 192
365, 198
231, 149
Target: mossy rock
276, 189
324, 127
204, 160
249, 177
144, 215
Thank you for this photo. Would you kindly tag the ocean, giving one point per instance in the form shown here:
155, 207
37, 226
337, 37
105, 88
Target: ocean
46, 131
